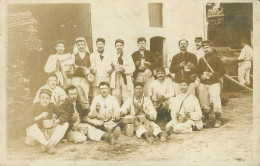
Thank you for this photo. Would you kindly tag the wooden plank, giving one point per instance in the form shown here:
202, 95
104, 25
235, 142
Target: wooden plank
237, 83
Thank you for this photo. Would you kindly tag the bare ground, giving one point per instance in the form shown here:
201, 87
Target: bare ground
231, 142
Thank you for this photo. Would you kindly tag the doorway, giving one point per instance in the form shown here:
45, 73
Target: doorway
157, 46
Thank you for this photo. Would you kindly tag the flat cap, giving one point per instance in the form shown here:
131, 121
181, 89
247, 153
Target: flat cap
198, 38
119, 41
59, 42
80, 39
141, 39
160, 69
138, 84
46, 91
101, 40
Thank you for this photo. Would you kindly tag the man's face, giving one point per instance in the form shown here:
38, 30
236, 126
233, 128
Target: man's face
183, 87
198, 43
81, 46
160, 75
100, 47
142, 45
44, 99
52, 82
183, 45
119, 47
103, 90
207, 49
138, 91
73, 95
60, 48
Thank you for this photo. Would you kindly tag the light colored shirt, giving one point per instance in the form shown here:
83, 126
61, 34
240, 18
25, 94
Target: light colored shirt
109, 108
129, 67
65, 59
131, 105
57, 94
164, 88
199, 53
246, 54
103, 68
191, 104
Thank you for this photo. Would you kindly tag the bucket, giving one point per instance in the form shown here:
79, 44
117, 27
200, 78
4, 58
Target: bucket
129, 129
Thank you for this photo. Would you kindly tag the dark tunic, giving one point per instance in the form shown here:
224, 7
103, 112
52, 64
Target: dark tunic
81, 62
36, 109
148, 56
216, 64
179, 72
68, 107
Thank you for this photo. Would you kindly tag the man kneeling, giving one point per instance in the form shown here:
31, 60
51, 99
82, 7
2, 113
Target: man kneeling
143, 109
185, 111
49, 127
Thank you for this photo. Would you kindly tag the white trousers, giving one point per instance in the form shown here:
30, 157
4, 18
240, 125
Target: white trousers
142, 128
35, 133
185, 127
146, 81
207, 94
244, 72
121, 91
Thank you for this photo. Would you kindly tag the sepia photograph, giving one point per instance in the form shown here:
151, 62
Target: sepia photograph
130, 82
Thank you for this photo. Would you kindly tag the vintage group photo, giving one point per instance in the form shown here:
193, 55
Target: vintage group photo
129, 80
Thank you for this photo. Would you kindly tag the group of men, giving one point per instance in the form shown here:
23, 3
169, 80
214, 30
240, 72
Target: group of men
124, 85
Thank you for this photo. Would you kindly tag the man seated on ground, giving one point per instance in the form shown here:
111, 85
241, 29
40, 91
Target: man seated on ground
48, 123
104, 110
78, 128
185, 111
161, 90
58, 95
143, 109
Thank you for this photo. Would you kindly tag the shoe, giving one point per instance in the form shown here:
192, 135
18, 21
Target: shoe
217, 124
206, 123
162, 138
51, 150
44, 148
114, 136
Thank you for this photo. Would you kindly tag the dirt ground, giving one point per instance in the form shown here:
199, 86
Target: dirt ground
231, 142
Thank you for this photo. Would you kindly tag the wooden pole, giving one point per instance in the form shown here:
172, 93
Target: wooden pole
237, 83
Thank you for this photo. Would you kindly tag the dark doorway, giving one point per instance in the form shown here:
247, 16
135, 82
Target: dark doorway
157, 47
229, 23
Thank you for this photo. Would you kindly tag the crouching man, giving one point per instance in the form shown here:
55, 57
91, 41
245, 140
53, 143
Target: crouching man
143, 109
79, 130
49, 123
185, 111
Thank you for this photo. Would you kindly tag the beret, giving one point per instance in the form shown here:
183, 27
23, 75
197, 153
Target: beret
141, 39
119, 41
47, 91
207, 43
100, 40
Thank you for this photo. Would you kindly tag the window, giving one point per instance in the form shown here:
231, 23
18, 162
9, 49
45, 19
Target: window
155, 15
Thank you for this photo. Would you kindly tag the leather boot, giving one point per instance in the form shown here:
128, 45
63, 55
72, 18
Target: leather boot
217, 121
206, 119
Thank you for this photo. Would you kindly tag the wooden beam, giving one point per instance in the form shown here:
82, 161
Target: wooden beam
237, 83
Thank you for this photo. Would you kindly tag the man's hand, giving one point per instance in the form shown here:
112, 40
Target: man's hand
56, 123
44, 115
209, 74
182, 64
161, 97
137, 63
190, 65
203, 77
187, 114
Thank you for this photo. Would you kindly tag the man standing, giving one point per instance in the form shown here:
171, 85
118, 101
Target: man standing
184, 64
78, 128
61, 64
199, 52
83, 70
104, 110
121, 81
161, 90
103, 65
58, 95
142, 107
244, 64
185, 111
49, 123
144, 65
210, 71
